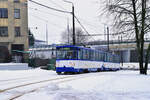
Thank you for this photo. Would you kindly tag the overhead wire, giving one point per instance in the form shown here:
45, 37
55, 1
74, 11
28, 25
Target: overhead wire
57, 4
62, 12
56, 25
83, 27
92, 28
61, 17
47, 13
49, 7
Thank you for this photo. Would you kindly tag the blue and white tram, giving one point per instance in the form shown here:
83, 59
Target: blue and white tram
74, 59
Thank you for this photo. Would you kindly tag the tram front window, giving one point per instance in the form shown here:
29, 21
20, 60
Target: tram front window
66, 54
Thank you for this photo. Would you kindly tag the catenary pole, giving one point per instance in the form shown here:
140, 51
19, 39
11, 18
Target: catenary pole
73, 21
108, 38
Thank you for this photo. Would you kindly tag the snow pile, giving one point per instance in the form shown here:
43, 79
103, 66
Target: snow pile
14, 66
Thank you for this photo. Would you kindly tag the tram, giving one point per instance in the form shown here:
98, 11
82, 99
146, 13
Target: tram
75, 59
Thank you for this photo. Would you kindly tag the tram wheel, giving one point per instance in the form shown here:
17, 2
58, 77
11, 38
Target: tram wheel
98, 70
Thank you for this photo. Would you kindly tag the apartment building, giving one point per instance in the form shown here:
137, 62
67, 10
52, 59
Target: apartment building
14, 26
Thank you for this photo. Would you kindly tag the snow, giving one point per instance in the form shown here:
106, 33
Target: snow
120, 85
131, 66
14, 66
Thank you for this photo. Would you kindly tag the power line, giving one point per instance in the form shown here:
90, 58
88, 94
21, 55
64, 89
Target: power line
57, 4
92, 28
62, 12
56, 25
49, 7
88, 22
83, 27
47, 13
64, 17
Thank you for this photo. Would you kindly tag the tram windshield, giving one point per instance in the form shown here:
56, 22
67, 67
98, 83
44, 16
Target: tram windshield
66, 53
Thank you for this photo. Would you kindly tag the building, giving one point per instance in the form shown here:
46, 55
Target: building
125, 48
14, 27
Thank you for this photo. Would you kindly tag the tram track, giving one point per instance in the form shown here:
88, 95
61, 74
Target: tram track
19, 78
32, 83
61, 80
34, 90
41, 84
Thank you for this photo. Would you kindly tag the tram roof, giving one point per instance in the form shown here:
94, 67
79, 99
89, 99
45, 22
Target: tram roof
79, 47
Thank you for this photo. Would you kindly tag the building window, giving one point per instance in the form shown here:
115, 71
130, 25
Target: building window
17, 31
17, 13
16, 1
3, 31
3, 13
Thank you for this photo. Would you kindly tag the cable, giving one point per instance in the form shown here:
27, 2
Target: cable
83, 27
93, 28
47, 12
90, 23
62, 12
49, 7
57, 4
56, 25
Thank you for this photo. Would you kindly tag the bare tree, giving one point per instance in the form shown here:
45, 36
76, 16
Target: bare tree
80, 37
132, 19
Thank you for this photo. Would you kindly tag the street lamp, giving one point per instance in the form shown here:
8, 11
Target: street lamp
73, 22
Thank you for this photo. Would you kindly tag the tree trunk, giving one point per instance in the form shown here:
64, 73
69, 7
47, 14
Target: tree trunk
142, 71
147, 60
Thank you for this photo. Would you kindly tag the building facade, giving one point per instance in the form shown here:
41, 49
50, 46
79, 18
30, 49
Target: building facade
14, 26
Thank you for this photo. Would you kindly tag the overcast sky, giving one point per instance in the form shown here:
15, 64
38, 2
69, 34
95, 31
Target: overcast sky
88, 12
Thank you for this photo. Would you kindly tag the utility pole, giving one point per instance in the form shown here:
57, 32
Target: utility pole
73, 22
68, 30
121, 53
108, 38
46, 33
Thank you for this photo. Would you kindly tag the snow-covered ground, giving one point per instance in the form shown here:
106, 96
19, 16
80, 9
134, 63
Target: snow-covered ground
131, 66
14, 66
38, 84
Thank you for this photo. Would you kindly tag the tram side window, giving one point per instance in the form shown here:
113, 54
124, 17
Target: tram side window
110, 58
106, 57
80, 54
99, 56
72, 54
91, 55
102, 56
85, 55
96, 56
114, 58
